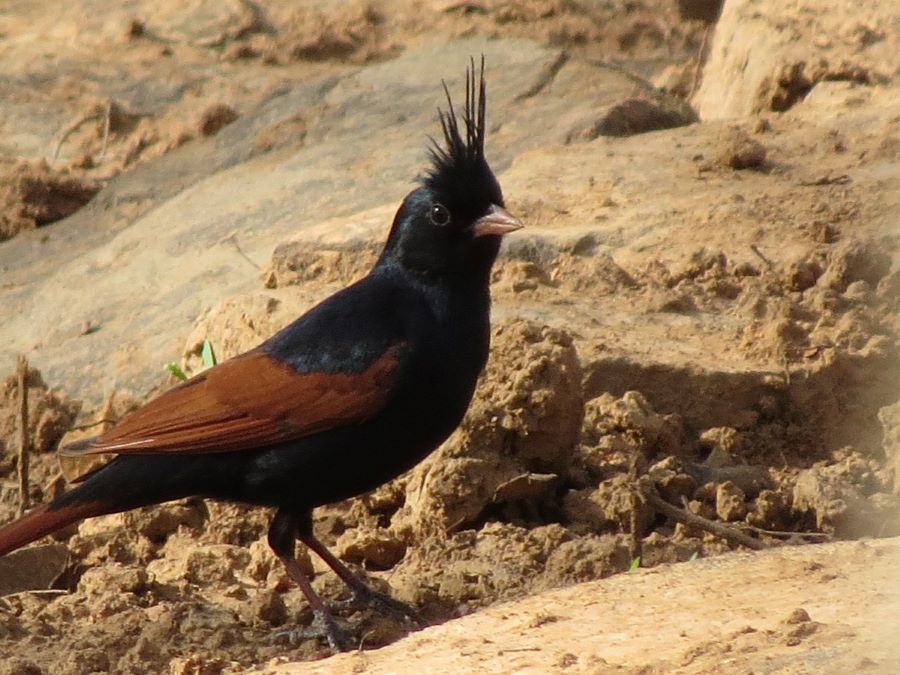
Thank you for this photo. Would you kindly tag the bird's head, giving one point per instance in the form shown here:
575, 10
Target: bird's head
451, 226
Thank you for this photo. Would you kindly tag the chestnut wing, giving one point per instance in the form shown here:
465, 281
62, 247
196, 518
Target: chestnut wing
250, 401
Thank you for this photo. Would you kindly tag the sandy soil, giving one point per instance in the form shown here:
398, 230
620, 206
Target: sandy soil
733, 613
700, 319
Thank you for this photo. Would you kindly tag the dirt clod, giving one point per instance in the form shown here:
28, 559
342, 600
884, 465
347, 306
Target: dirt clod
33, 194
739, 151
730, 502
214, 118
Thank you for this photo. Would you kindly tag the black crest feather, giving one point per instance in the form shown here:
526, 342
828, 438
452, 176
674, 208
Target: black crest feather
459, 152
458, 166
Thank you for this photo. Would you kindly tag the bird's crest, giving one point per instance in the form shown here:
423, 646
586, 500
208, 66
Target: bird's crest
459, 163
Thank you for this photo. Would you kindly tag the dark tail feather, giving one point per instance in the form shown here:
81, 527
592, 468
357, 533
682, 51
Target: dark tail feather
44, 520
125, 483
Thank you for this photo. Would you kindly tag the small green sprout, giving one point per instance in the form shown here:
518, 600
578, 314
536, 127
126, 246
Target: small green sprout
207, 356
176, 370
635, 564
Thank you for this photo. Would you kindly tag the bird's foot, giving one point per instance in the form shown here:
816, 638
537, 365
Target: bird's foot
323, 626
363, 596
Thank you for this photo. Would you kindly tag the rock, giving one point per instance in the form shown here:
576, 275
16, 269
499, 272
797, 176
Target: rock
738, 151
635, 115
591, 557
671, 480
530, 393
445, 493
723, 443
853, 260
100, 526
373, 548
262, 561
614, 506
199, 564
505, 559
235, 524
702, 509
767, 55
159, 522
214, 118
749, 479
657, 549
835, 506
730, 502
33, 568
632, 419
268, 605
113, 578
771, 511
33, 195
799, 615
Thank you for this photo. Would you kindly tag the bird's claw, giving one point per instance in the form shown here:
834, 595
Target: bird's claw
323, 626
368, 597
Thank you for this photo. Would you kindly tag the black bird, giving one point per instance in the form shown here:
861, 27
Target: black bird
350, 395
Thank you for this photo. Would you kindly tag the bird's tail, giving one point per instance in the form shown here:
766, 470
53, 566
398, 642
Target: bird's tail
44, 520
123, 484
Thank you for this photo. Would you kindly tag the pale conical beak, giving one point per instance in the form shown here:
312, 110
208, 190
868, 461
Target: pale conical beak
497, 221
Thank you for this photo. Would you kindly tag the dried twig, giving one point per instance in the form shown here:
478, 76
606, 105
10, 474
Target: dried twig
693, 520
72, 127
755, 249
91, 425
232, 239
789, 535
39, 591
106, 122
24, 440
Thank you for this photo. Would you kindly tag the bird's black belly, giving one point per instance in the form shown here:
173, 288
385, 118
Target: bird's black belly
347, 462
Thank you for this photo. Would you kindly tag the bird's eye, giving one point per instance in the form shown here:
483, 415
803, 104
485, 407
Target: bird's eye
439, 214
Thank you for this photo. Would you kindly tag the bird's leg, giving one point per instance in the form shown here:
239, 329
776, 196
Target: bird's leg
282, 538
362, 593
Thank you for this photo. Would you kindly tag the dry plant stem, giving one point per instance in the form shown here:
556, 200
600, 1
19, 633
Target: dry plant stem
755, 249
693, 520
232, 239
106, 123
24, 441
783, 533
72, 127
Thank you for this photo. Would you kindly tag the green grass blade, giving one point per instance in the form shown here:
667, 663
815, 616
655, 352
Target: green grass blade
208, 355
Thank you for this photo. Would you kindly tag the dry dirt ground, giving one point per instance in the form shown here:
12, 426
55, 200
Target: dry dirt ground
700, 319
